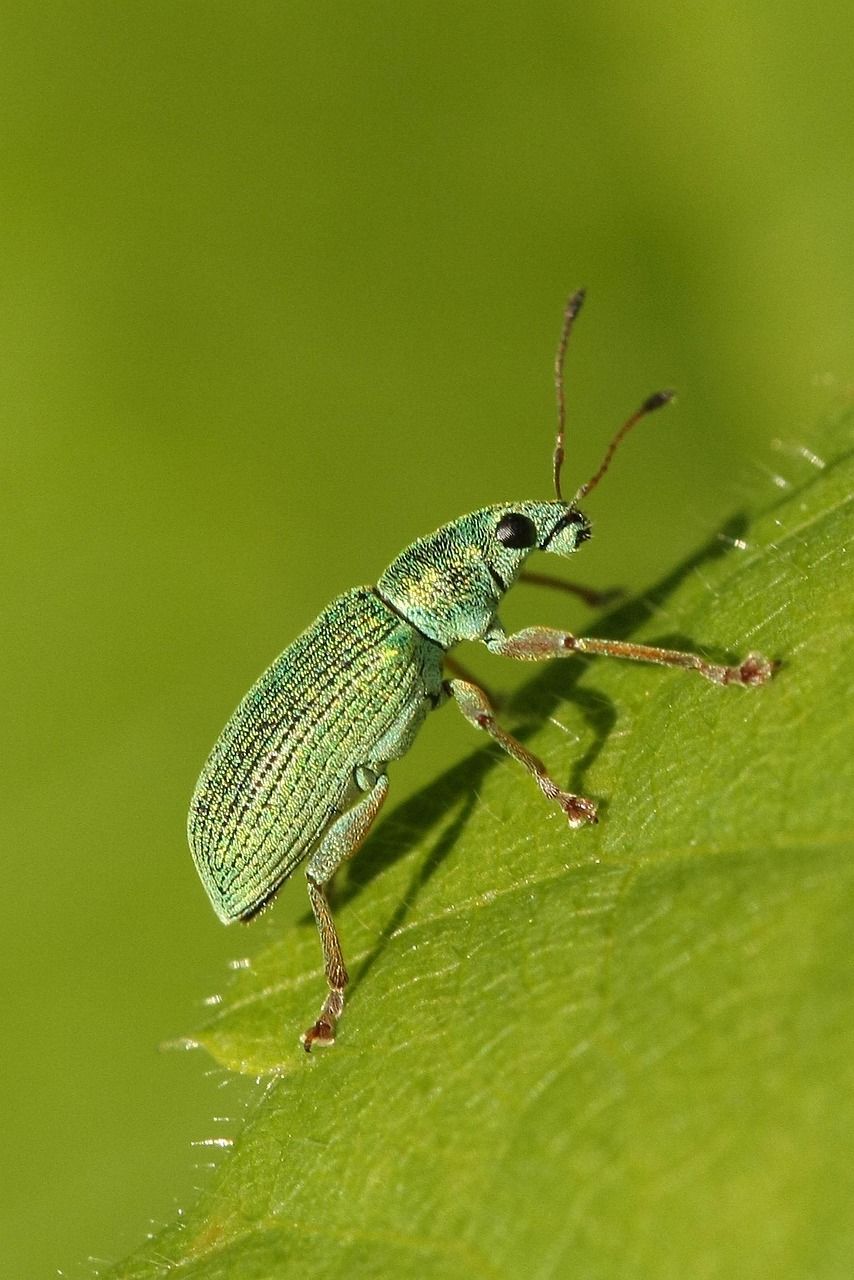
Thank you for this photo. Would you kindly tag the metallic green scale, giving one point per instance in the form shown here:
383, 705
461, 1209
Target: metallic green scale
299, 770
357, 681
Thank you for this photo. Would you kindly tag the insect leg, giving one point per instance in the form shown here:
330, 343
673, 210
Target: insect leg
588, 594
341, 841
536, 644
457, 669
475, 706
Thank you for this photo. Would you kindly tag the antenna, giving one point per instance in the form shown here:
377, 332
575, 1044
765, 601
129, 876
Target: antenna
571, 310
653, 402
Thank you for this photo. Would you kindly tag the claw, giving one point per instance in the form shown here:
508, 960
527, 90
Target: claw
754, 670
323, 1031
321, 1034
578, 809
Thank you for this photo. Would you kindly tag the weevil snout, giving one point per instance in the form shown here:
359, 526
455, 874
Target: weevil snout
568, 533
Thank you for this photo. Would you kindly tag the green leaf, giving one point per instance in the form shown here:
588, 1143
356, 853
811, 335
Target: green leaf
622, 1051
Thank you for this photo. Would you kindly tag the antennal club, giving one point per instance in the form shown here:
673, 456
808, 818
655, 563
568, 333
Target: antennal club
656, 401
571, 310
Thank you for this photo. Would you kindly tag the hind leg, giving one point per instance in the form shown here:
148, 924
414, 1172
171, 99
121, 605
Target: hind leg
341, 841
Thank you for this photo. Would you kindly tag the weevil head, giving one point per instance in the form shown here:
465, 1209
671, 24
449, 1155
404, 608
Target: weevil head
450, 583
511, 531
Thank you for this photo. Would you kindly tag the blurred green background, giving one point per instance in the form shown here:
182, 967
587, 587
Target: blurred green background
281, 287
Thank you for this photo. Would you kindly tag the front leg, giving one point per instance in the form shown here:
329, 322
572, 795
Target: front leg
341, 841
538, 644
474, 704
588, 594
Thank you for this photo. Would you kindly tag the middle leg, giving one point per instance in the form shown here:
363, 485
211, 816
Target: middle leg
475, 706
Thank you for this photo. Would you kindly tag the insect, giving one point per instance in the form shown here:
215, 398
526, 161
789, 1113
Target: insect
300, 770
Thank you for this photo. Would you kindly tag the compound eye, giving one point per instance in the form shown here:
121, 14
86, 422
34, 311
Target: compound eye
516, 531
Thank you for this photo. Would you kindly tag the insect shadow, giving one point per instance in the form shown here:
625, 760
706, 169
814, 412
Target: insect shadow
455, 791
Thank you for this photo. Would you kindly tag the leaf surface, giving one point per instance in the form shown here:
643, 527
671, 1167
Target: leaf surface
622, 1051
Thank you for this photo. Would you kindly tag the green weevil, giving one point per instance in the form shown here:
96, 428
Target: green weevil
300, 769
